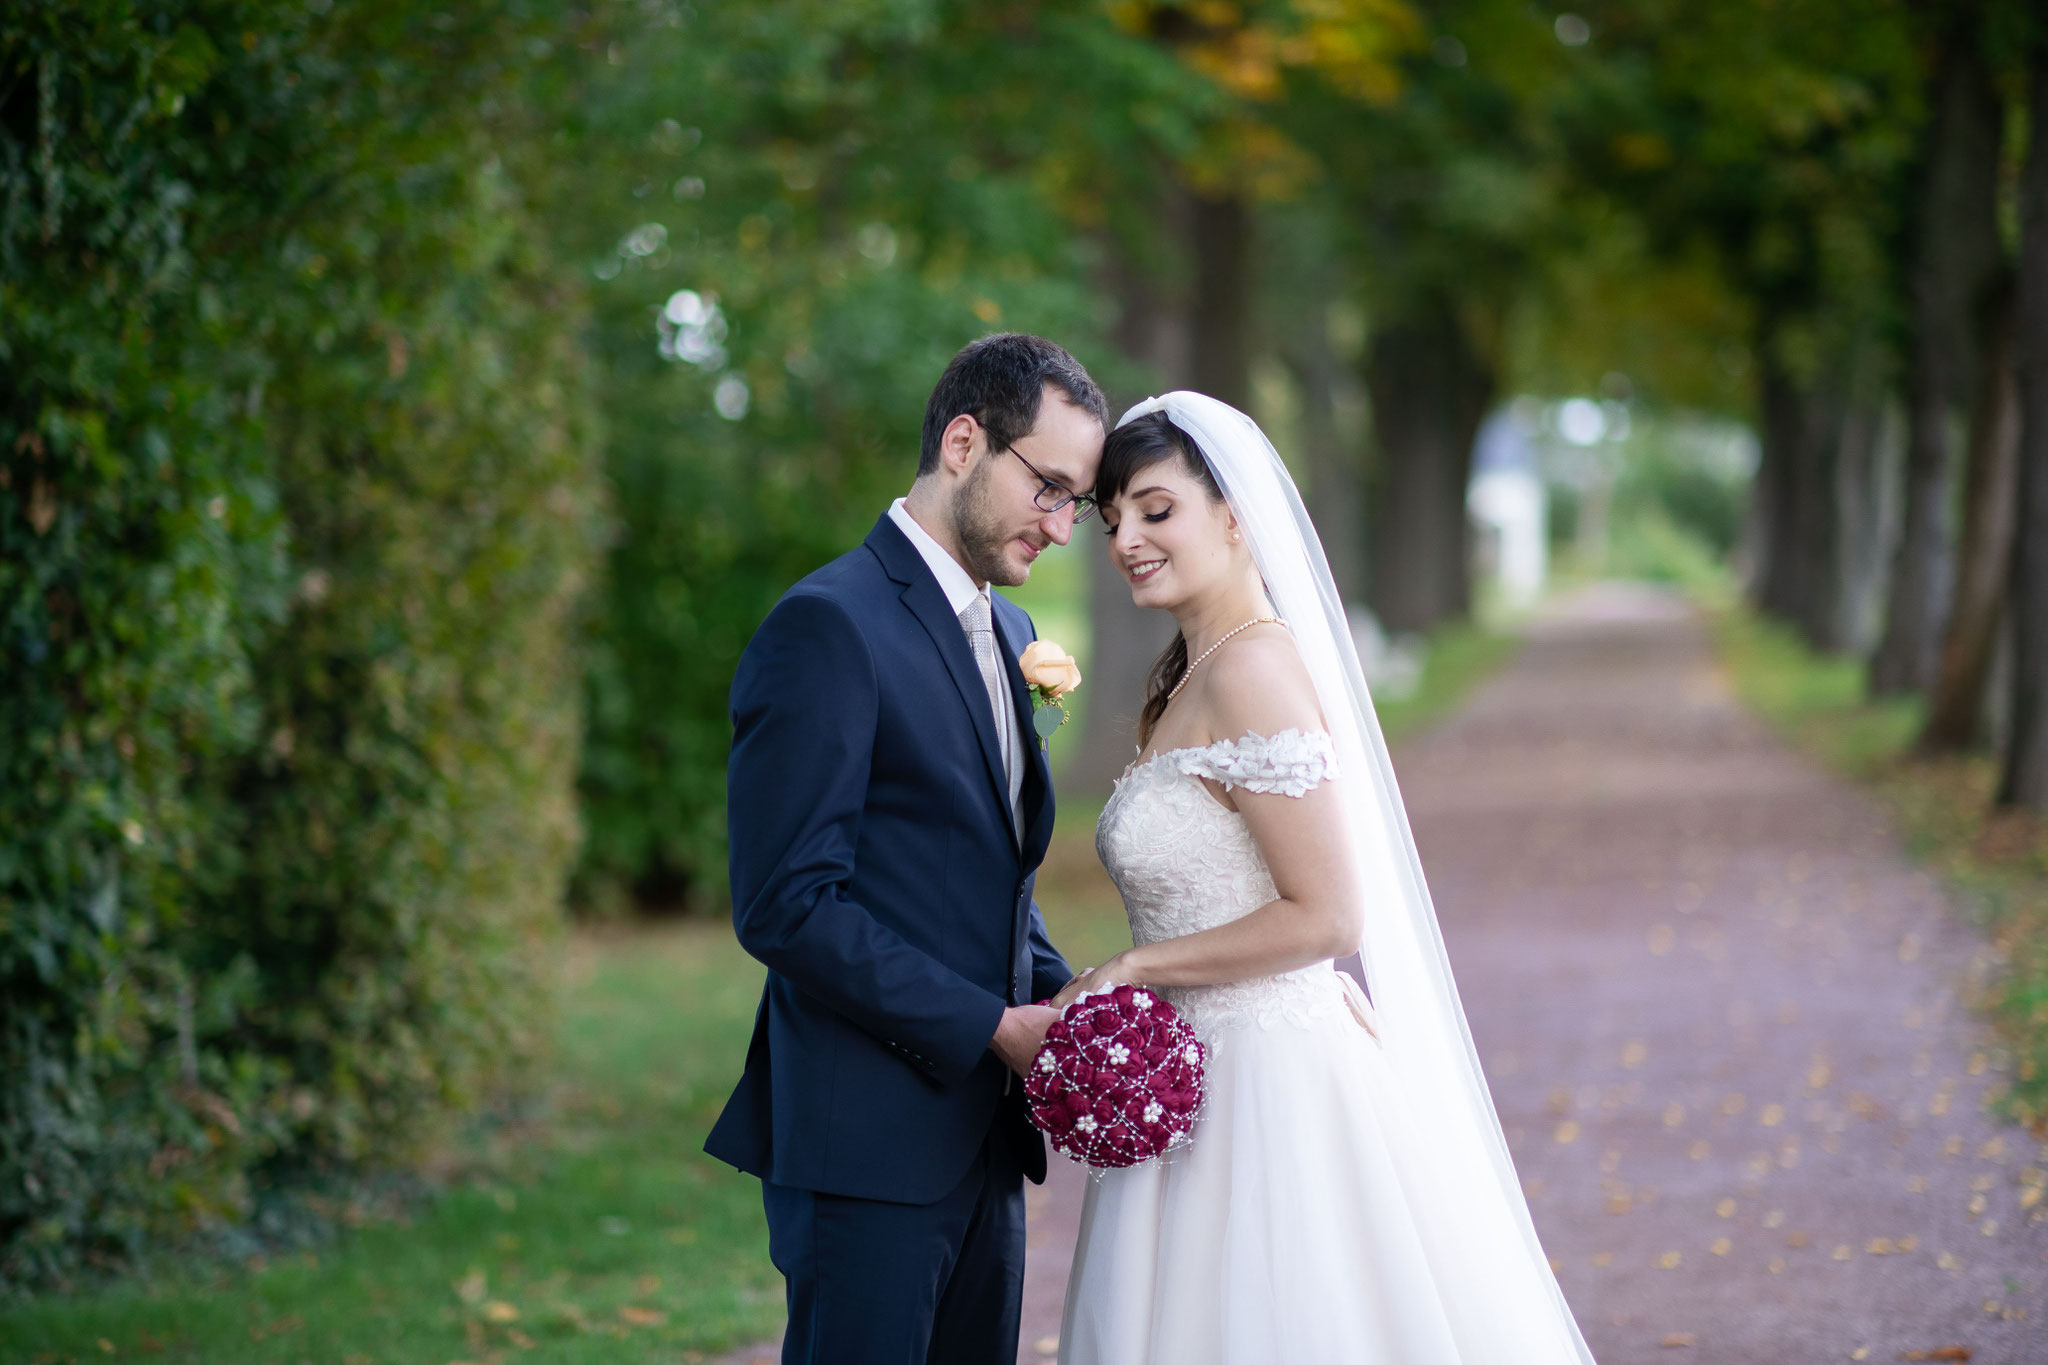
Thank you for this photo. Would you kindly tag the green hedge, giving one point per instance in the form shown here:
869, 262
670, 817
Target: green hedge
294, 510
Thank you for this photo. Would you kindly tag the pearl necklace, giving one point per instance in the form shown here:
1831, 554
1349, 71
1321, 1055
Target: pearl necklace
1190, 672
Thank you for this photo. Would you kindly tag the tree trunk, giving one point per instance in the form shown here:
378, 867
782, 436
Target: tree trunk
1798, 502
1220, 301
1154, 332
1867, 494
1954, 256
1334, 494
2024, 779
1955, 713
1429, 388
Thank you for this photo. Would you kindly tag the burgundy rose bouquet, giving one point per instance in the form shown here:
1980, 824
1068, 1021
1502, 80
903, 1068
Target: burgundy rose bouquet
1118, 1079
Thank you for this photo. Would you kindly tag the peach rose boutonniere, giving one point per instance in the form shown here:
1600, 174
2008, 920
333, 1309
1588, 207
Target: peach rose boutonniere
1052, 673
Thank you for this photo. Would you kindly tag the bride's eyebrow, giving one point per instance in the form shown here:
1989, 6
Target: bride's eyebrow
1143, 492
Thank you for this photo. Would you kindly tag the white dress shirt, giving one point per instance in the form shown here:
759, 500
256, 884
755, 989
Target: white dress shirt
960, 590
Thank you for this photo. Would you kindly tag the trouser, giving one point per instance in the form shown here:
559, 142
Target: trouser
872, 1283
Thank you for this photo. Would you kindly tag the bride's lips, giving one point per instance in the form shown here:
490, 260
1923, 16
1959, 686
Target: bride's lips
1144, 569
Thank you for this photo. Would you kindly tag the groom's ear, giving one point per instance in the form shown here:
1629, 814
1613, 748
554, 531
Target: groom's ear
956, 443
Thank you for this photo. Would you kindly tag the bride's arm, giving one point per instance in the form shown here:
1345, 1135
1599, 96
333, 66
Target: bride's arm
1261, 687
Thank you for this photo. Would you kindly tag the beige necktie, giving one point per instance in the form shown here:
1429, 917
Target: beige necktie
977, 621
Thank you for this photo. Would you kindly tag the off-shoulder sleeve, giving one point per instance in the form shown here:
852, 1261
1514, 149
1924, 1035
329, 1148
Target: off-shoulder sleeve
1289, 763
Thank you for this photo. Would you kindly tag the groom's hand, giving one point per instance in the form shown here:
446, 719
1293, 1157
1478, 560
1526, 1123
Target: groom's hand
1020, 1034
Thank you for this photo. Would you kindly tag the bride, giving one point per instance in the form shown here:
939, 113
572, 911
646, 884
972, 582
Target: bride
1347, 1195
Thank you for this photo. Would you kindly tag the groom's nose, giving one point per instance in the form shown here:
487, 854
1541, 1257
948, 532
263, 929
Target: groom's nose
1059, 526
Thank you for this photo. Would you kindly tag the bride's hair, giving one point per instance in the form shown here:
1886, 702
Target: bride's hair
1139, 444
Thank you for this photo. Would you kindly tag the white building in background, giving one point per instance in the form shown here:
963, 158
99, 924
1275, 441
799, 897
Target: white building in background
1508, 509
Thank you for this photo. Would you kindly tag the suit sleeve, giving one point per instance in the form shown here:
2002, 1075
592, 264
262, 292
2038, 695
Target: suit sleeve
1049, 970
804, 705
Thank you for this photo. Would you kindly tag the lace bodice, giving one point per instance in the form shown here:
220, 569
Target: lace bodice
1185, 862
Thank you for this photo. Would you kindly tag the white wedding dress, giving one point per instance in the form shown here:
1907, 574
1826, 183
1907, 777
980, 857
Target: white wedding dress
1283, 1232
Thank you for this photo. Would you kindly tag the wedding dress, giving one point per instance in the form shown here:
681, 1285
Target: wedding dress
1282, 1232
1347, 1195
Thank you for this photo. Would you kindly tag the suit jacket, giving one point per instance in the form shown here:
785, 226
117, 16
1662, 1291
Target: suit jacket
875, 873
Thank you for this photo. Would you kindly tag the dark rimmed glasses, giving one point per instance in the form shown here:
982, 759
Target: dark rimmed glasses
1053, 495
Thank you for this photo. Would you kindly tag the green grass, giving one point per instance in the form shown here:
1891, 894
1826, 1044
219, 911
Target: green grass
598, 1233
1995, 863
596, 1230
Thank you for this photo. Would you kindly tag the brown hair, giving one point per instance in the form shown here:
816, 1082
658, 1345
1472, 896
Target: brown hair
1139, 444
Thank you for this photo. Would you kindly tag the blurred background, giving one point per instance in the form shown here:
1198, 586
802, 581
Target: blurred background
408, 412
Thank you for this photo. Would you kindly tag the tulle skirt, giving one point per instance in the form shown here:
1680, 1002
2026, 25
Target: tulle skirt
1285, 1231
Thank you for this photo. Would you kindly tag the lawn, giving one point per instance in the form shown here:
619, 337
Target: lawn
594, 1229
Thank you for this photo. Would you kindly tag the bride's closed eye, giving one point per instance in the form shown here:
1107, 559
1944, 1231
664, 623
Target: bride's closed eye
1154, 517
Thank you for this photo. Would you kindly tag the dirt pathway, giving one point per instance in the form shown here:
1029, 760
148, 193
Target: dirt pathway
1720, 1013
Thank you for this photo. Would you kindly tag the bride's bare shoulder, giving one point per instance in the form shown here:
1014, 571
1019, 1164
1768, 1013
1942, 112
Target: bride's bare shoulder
1259, 685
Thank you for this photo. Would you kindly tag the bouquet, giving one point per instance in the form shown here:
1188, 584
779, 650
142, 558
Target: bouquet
1118, 1079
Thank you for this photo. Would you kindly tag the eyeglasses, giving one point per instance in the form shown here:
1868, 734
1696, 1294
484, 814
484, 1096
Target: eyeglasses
1053, 495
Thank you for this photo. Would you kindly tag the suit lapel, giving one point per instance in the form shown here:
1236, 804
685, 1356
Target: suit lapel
1037, 804
927, 602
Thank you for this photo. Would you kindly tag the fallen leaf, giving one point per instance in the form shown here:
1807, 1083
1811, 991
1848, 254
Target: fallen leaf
642, 1317
1938, 1353
1679, 1339
497, 1310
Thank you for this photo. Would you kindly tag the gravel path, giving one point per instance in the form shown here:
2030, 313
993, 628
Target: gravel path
1722, 1018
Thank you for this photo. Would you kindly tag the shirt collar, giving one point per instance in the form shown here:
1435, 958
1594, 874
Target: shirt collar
953, 580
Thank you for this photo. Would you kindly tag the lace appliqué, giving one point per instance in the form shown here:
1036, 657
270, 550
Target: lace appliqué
1185, 862
1290, 763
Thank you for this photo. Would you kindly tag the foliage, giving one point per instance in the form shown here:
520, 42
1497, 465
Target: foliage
789, 240
291, 515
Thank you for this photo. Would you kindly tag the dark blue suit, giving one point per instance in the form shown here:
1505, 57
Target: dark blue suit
876, 873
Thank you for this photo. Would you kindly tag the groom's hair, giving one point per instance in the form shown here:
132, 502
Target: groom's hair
999, 381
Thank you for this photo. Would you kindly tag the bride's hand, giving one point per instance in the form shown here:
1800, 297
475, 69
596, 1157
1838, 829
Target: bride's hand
1110, 973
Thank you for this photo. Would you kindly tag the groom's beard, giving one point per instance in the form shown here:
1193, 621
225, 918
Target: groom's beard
978, 527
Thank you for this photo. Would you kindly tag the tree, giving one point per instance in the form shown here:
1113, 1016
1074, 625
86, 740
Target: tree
1955, 259
2023, 779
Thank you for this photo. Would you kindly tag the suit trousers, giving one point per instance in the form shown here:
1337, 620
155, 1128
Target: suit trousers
873, 1283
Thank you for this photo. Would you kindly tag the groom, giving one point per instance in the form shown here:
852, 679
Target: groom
888, 811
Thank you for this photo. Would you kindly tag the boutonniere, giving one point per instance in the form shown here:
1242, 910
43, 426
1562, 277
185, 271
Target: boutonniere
1052, 673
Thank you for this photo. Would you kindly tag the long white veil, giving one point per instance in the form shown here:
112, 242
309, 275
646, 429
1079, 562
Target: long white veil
1473, 1197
